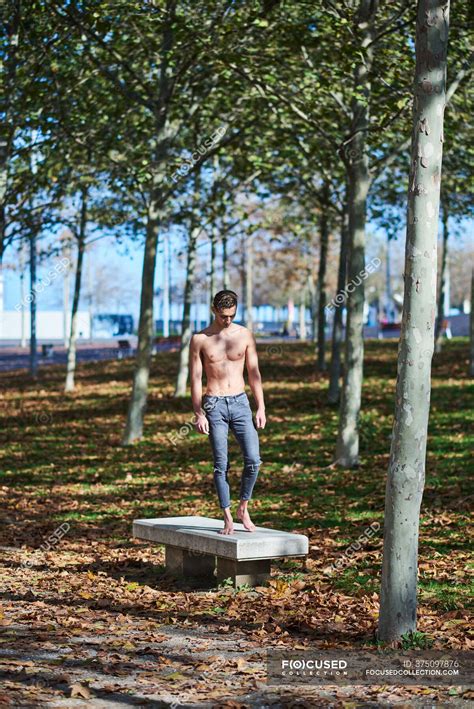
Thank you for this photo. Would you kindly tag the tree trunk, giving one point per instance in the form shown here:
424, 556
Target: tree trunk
337, 330
81, 239
302, 315
166, 286
136, 409
313, 306
388, 285
357, 165
212, 273
225, 263
22, 293
406, 471
471, 327
323, 253
33, 295
66, 288
186, 329
249, 282
10, 65
442, 289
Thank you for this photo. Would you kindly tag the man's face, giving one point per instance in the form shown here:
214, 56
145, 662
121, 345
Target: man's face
225, 316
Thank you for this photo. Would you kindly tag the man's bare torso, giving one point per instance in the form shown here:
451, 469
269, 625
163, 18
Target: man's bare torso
223, 357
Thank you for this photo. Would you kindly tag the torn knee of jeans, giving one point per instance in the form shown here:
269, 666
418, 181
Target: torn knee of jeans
221, 471
252, 467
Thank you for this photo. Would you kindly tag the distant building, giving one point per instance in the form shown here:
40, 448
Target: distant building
50, 325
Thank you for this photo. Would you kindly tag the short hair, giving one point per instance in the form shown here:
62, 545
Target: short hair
225, 299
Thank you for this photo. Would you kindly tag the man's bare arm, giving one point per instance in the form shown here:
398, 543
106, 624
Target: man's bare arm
195, 364
255, 380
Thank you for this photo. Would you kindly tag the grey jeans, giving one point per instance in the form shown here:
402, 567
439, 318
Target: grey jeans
234, 412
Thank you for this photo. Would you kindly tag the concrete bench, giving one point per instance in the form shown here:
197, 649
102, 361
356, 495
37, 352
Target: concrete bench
194, 548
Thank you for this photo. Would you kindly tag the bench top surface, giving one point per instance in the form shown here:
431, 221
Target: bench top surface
201, 534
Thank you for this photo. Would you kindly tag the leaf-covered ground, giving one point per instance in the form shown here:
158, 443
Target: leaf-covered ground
93, 620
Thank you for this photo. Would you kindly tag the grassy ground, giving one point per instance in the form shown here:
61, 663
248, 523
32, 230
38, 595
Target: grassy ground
97, 609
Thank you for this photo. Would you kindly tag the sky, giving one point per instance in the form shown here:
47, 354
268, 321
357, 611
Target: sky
118, 268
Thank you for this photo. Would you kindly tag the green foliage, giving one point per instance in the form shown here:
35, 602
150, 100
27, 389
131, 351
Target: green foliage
416, 641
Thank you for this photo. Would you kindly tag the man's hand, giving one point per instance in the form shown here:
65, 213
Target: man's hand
260, 418
202, 424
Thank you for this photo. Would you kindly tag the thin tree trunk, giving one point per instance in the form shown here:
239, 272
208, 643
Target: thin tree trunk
406, 471
66, 288
442, 289
471, 327
357, 165
249, 282
302, 314
22, 294
33, 294
388, 284
10, 64
166, 286
243, 277
81, 239
337, 329
136, 409
212, 273
186, 329
323, 254
313, 306
2, 301
225, 263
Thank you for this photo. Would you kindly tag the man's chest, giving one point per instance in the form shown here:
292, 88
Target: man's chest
221, 349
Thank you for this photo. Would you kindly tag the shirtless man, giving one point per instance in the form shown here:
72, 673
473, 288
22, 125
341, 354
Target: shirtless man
223, 348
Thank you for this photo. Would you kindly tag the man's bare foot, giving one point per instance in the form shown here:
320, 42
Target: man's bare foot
244, 517
228, 523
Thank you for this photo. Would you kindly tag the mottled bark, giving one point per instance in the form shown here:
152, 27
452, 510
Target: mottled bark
406, 471
81, 240
358, 178
186, 327
337, 329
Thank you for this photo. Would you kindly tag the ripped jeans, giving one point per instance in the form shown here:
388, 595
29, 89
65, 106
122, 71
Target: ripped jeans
234, 412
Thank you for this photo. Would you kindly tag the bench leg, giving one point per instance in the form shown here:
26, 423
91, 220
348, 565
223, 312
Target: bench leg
181, 562
252, 573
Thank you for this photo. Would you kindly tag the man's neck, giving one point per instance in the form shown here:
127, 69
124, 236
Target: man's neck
216, 328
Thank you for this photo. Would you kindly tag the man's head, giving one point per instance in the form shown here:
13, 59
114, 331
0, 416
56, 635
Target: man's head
224, 307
